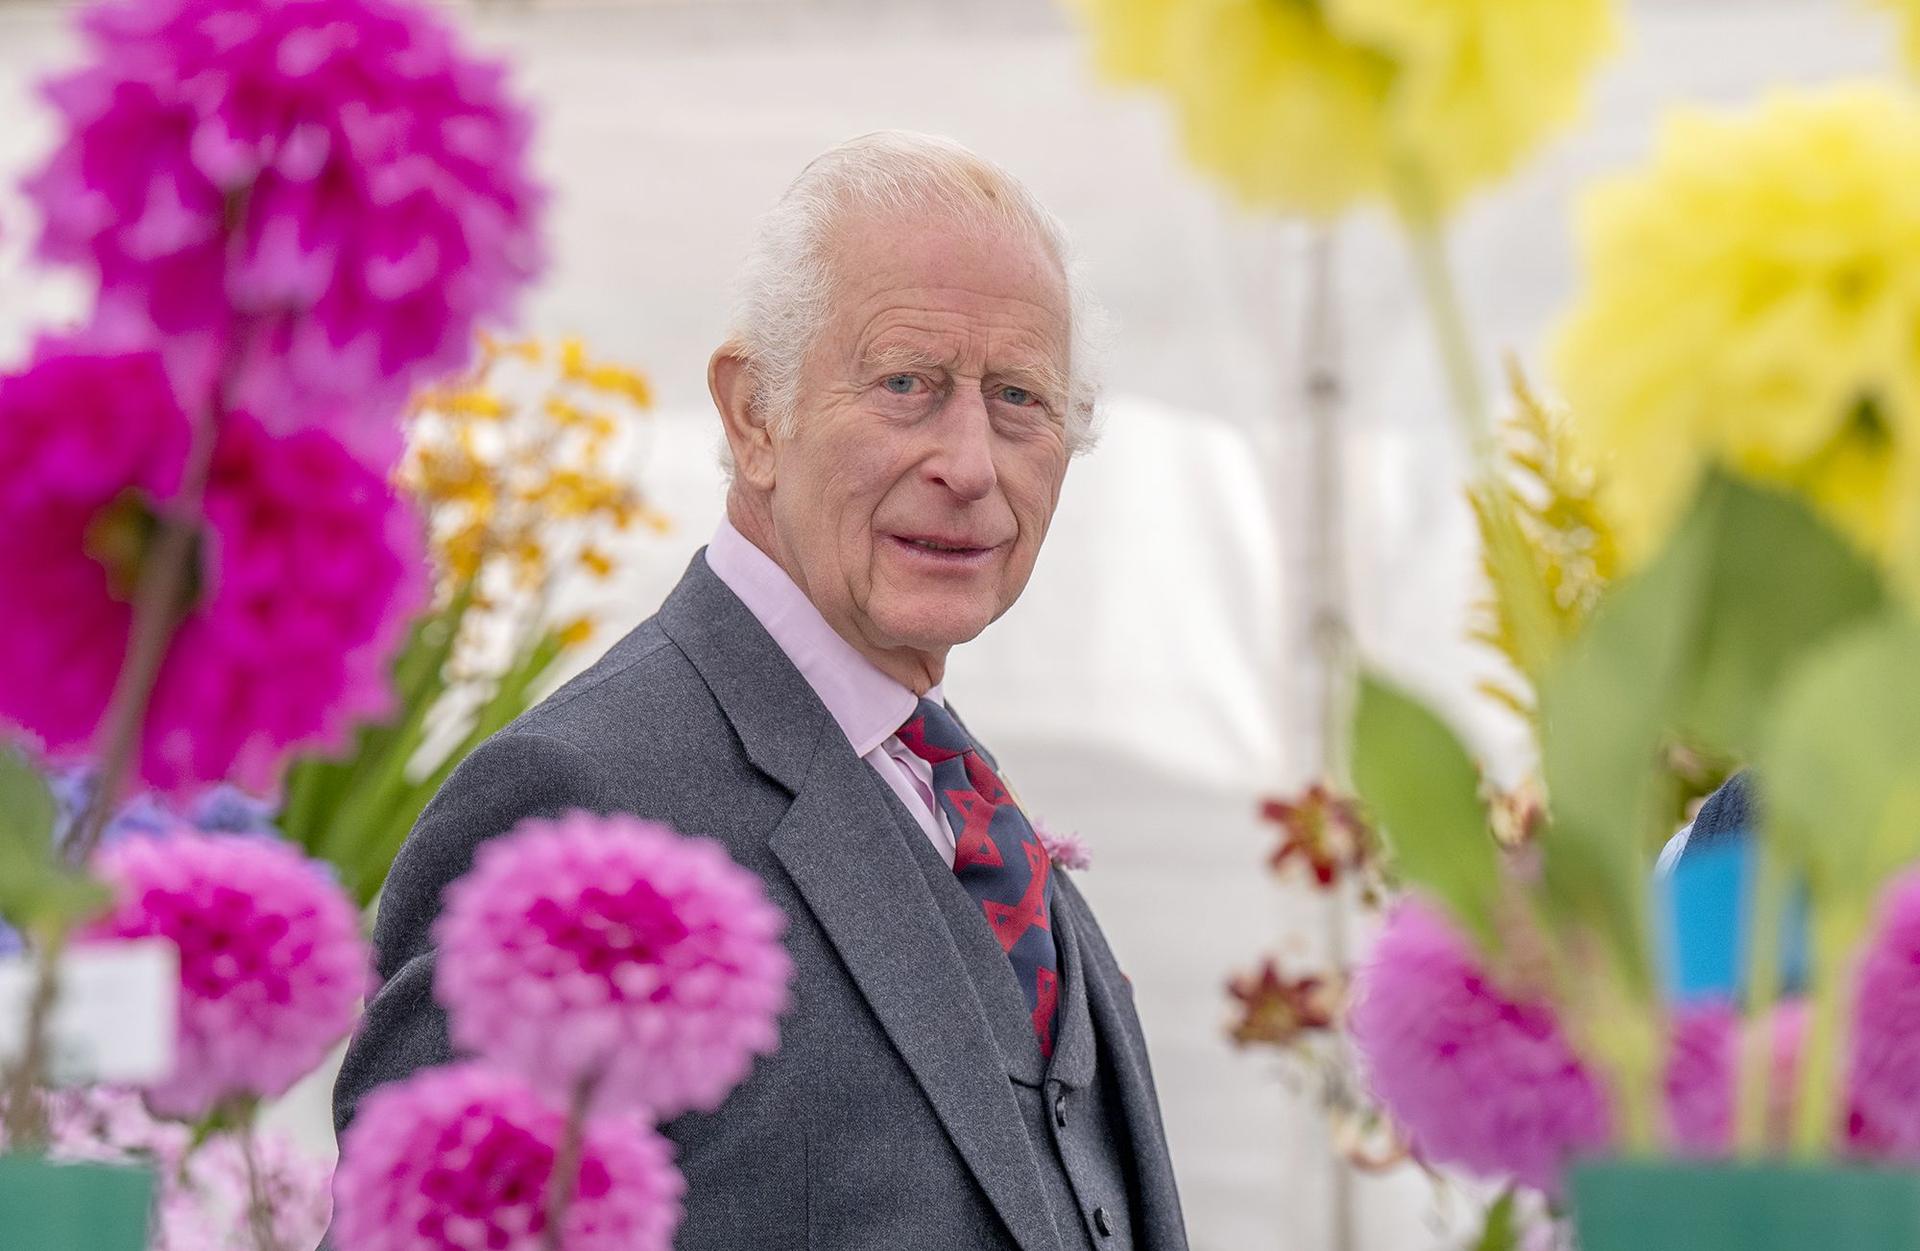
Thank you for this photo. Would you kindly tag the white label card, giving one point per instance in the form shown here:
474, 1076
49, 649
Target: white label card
114, 1020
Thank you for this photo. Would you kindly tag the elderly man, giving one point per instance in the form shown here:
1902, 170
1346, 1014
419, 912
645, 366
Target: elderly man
962, 1066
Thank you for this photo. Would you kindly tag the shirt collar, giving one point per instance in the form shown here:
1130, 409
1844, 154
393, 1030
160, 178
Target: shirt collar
867, 705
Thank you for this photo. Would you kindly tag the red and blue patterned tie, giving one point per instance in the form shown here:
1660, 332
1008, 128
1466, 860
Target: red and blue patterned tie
996, 856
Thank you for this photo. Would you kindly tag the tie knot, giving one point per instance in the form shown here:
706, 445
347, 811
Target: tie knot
932, 734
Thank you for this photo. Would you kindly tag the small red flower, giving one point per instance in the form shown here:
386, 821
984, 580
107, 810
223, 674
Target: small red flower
1323, 830
1278, 1011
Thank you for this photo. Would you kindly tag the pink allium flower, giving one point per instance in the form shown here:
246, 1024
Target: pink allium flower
614, 950
1884, 1112
1069, 851
272, 964
311, 566
460, 1159
318, 198
1477, 1079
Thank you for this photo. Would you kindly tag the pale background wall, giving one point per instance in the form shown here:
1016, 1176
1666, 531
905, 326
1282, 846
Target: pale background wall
1155, 679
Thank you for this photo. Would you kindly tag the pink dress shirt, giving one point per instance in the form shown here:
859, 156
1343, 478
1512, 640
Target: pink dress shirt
867, 705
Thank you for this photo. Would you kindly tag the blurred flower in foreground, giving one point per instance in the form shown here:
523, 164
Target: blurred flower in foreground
1310, 107
1485, 1081
202, 1192
218, 810
1754, 299
463, 1157
1478, 1080
1908, 14
306, 572
1325, 832
316, 200
272, 963
1277, 1011
612, 955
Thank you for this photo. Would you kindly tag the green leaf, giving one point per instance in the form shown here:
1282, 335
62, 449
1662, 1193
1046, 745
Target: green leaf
1841, 764
1500, 1231
1692, 649
39, 894
1421, 785
27, 810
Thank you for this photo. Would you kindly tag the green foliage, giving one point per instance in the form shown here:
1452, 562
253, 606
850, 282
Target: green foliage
1841, 762
355, 812
40, 894
1692, 649
1841, 770
1421, 786
1501, 1230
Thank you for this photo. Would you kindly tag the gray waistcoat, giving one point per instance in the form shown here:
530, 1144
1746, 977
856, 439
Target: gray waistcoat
1073, 1123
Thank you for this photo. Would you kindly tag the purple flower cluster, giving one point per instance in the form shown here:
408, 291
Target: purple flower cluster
311, 204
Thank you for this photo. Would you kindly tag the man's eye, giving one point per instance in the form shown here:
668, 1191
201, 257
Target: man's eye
899, 384
1018, 396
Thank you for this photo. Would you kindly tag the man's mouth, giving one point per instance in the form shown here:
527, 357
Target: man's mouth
947, 547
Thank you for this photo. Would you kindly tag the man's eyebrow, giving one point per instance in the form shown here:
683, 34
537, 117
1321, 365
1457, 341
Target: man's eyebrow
890, 356
1042, 379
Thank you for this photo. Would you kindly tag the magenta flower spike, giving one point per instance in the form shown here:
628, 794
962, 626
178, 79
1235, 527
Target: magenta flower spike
460, 1159
613, 952
307, 204
272, 963
309, 567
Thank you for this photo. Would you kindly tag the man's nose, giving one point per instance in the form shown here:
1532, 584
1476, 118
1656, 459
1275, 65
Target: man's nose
963, 462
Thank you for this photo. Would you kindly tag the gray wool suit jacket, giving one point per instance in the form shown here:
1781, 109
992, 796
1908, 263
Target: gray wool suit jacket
888, 1119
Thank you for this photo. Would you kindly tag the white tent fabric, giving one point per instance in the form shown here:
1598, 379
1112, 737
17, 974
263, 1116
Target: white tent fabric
1155, 680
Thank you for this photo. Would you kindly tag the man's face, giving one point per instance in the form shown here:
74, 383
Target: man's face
929, 444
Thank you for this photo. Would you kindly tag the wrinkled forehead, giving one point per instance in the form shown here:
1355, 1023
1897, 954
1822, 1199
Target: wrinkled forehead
893, 272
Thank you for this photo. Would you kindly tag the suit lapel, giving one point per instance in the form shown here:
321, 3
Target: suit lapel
839, 844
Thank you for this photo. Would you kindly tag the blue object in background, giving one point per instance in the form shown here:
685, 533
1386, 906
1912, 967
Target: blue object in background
1704, 911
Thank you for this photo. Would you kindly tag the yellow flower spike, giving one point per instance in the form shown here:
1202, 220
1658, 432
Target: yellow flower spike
565, 411
575, 632
614, 380
596, 562
573, 359
476, 403
1753, 299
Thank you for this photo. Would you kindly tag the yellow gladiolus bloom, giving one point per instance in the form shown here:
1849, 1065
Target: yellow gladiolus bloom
1315, 105
1753, 299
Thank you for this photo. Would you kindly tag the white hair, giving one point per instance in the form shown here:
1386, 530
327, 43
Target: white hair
786, 286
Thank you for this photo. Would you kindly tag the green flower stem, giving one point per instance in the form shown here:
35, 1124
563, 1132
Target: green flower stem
1836, 938
1753, 1097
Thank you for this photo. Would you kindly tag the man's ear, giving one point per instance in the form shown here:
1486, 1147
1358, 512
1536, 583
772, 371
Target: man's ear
731, 383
